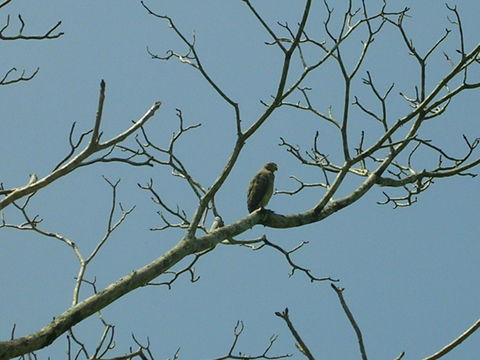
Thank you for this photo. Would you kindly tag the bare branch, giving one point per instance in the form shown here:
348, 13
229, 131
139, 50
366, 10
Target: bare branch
95, 138
50, 34
237, 331
455, 343
73, 146
301, 186
32, 224
358, 332
111, 227
192, 58
94, 146
300, 343
265, 25
6, 2
292, 264
19, 78
310, 108
458, 23
190, 269
178, 213
173, 161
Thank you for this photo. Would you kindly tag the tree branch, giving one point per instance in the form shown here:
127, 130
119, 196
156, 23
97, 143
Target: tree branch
455, 343
93, 147
358, 332
48, 35
300, 343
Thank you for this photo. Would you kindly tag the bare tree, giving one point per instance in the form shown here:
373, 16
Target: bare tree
382, 154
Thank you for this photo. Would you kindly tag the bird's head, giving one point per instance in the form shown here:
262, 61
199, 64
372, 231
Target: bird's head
271, 166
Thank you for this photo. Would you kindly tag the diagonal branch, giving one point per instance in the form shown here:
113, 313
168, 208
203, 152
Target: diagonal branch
6, 2
93, 147
242, 139
300, 343
358, 332
455, 342
196, 64
265, 25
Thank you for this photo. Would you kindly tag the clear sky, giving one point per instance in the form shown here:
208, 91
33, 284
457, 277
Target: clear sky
411, 274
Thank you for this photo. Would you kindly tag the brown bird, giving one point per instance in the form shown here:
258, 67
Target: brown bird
260, 189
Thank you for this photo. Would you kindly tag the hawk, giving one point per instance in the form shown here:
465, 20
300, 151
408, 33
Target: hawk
260, 189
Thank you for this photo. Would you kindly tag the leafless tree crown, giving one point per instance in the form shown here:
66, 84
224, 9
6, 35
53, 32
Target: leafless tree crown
383, 153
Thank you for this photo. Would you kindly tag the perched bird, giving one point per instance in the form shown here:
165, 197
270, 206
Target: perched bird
33, 178
260, 189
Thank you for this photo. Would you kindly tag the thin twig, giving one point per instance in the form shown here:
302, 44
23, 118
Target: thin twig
300, 343
356, 328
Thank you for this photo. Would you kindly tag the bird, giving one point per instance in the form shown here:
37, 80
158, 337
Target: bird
260, 189
33, 178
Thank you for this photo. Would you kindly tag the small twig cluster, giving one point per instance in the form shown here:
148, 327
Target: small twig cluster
383, 154
50, 34
233, 353
11, 76
74, 160
167, 157
33, 224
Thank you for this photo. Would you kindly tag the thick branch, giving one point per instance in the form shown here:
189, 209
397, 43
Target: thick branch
93, 304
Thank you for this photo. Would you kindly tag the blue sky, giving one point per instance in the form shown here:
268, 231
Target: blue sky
411, 274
